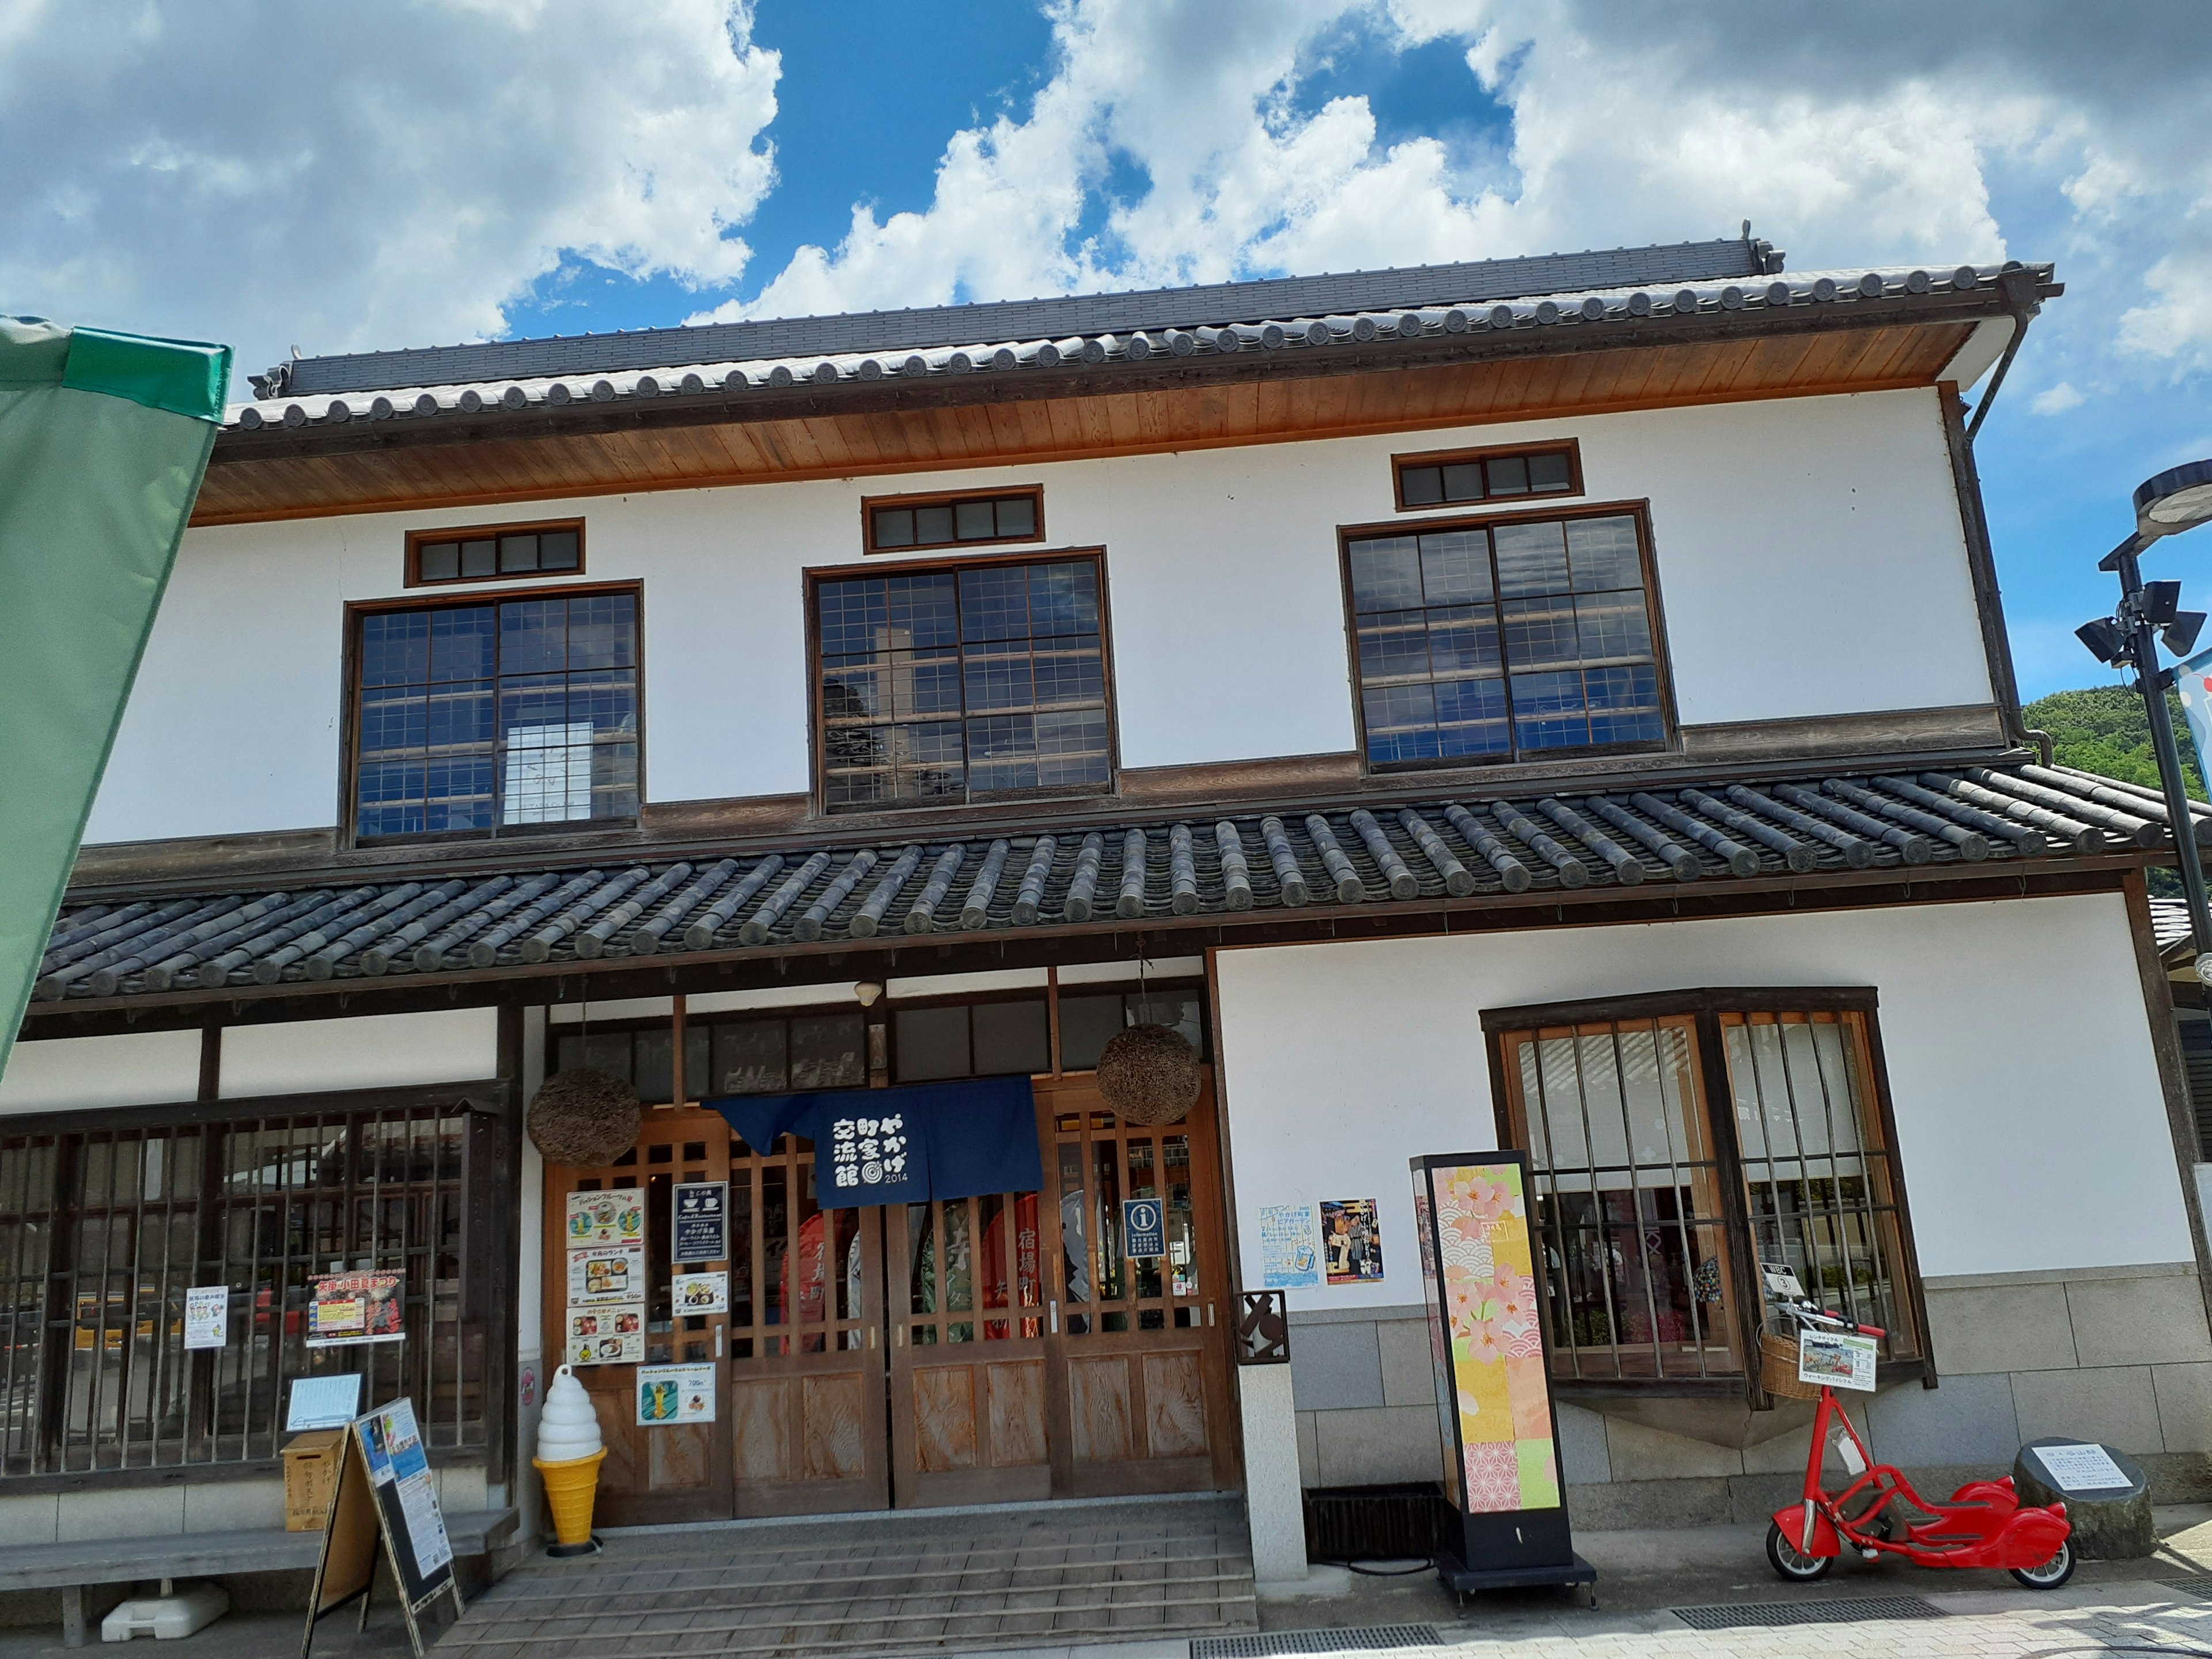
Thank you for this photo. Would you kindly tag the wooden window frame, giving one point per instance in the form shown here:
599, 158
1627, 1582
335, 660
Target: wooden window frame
1706, 1009
1572, 448
350, 717
871, 504
488, 1159
701, 1089
1655, 615
416, 538
817, 724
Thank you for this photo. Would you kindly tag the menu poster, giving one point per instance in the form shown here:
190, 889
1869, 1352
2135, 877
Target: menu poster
399, 1470
207, 1316
614, 1216
700, 1293
674, 1394
349, 1309
699, 1217
606, 1335
606, 1272
1290, 1246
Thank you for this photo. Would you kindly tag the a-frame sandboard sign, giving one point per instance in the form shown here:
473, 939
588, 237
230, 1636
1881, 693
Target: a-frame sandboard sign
383, 1489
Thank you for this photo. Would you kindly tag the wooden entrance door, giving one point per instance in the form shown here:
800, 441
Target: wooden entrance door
674, 1472
969, 1352
806, 1334
1141, 1351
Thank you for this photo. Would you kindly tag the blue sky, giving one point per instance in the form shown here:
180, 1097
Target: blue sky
472, 168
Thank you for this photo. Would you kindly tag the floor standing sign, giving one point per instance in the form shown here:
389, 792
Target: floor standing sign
1507, 1521
384, 1490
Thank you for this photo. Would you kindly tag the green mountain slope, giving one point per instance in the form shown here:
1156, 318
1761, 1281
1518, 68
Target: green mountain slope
2105, 729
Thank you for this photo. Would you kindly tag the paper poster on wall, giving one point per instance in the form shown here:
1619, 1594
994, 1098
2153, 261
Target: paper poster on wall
354, 1308
1841, 1359
614, 1216
1290, 1246
1351, 1240
698, 1213
607, 1334
207, 1316
323, 1402
700, 1293
606, 1272
674, 1394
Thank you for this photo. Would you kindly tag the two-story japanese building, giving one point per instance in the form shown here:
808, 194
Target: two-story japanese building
1560, 704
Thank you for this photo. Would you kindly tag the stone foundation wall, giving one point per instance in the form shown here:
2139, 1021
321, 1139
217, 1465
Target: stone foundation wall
2121, 1355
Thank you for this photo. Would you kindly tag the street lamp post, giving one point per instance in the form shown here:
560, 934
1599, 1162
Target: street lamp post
2173, 501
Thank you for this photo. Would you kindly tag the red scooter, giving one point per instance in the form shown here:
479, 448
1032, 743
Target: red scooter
1983, 1524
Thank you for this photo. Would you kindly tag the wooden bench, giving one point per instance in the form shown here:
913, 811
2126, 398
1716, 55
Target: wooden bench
71, 1568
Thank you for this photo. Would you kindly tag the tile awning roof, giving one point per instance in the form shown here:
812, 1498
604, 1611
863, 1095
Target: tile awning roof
407, 392
1055, 318
1239, 867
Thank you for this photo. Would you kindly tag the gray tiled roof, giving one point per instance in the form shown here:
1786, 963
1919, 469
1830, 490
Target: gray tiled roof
1294, 333
2169, 926
1212, 304
1238, 867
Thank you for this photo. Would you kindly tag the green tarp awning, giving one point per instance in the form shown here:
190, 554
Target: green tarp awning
103, 440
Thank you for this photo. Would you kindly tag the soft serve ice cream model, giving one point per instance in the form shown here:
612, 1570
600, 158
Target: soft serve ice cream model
569, 1451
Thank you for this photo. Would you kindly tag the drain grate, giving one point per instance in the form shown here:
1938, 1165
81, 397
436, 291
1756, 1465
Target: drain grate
1840, 1610
1360, 1638
2195, 1584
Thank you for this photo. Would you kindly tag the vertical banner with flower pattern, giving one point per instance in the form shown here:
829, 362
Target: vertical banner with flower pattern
1478, 1260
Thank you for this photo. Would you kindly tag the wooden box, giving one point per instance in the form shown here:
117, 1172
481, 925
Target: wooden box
311, 1478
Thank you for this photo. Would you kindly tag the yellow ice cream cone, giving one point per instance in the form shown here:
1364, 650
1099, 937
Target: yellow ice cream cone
570, 1486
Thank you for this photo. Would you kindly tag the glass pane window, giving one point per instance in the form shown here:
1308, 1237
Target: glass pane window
487, 717
1448, 481
462, 557
941, 685
103, 1232
948, 523
1628, 1201
1491, 641
1643, 1270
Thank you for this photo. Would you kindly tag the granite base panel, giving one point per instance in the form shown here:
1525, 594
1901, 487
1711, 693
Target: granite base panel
1746, 1500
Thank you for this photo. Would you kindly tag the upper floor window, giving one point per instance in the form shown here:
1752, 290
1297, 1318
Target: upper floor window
1515, 639
1448, 479
494, 551
913, 522
941, 686
485, 717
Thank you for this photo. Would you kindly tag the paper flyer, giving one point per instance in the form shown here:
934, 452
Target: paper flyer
207, 1316
674, 1394
355, 1307
1351, 1240
614, 1216
699, 1294
606, 1272
323, 1402
1290, 1246
606, 1335
1841, 1359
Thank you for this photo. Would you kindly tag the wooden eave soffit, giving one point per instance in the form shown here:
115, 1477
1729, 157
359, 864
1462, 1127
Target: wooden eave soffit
888, 427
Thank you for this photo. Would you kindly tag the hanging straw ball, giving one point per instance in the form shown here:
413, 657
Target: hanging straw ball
1149, 1074
582, 1119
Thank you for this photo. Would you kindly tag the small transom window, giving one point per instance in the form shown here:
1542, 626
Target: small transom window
1484, 475
483, 554
917, 521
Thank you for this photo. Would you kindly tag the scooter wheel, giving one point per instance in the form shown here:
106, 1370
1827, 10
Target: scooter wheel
1792, 1563
2052, 1573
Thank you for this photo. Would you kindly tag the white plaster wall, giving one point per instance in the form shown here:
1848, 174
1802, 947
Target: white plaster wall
132, 1068
1810, 555
454, 1045
2030, 1120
